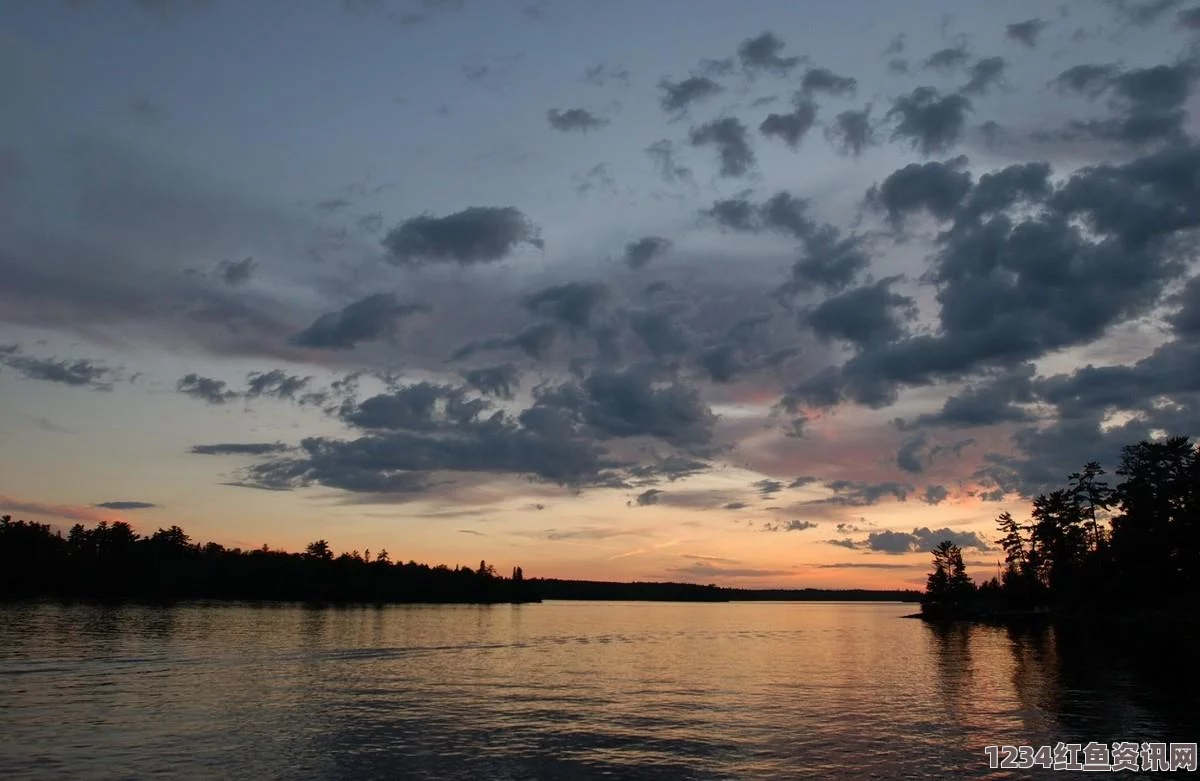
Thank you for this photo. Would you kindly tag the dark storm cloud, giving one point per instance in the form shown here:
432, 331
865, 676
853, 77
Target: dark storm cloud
826, 81
477, 234
125, 505
80, 372
793, 126
929, 121
923, 539
1026, 32
236, 272
984, 74
365, 320
936, 187
852, 131
239, 449
498, 381
862, 316
575, 304
575, 120
641, 252
731, 139
275, 384
678, 96
949, 59
765, 52
205, 389
662, 153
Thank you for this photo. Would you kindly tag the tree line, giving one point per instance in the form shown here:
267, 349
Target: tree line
1088, 545
111, 561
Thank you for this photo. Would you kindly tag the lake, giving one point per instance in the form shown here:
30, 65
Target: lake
558, 690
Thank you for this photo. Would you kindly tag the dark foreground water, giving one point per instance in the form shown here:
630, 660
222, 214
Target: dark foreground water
558, 690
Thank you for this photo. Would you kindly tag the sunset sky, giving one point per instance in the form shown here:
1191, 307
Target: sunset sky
750, 293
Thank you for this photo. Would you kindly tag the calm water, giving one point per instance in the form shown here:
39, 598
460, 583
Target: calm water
557, 690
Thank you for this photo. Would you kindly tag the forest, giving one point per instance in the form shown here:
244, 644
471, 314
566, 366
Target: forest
112, 562
1089, 547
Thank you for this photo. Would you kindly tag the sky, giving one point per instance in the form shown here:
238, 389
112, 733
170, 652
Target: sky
762, 294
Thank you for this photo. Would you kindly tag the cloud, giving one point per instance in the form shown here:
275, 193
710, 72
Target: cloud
1146, 104
707, 570
764, 52
852, 132
574, 304
1026, 32
648, 497
948, 59
791, 127
12, 504
789, 526
862, 316
828, 259
935, 494
828, 82
767, 488
205, 389
1188, 19
80, 372
1142, 13
731, 139
930, 121
275, 384
239, 449
984, 74
365, 320
236, 272
999, 306
498, 381
923, 539
854, 493
575, 120
639, 253
938, 188
477, 234
663, 155
416, 432
909, 457
678, 96
987, 403
125, 505
866, 565
601, 75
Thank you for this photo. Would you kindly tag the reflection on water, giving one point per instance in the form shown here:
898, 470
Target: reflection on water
559, 690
